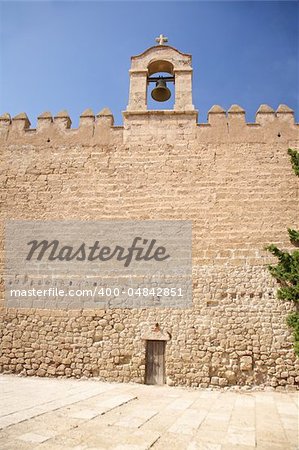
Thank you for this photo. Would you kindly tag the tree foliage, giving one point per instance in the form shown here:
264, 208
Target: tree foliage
286, 272
293, 322
294, 160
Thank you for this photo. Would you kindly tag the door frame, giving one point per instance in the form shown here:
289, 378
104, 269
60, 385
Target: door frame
163, 344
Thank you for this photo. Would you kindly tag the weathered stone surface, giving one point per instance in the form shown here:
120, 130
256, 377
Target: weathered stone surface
21, 116
46, 115
216, 109
5, 117
265, 109
236, 109
87, 113
119, 327
20, 122
105, 112
246, 363
284, 109
63, 120
62, 114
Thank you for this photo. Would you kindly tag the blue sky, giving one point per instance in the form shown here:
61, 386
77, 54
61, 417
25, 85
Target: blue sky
76, 54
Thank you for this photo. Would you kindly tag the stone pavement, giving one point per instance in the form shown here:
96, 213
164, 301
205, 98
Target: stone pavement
40, 413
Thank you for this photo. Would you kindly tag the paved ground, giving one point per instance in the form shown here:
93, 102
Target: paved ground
38, 413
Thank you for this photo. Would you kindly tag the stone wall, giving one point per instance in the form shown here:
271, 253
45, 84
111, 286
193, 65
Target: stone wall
232, 179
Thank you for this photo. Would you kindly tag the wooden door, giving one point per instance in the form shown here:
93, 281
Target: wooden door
155, 362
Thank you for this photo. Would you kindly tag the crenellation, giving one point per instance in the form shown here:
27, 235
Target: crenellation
265, 115
5, 122
221, 124
236, 109
5, 119
62, 120
236, 124
236, 117
44, 121
105, 116
20, 123
285, 114
87, 119
217, 117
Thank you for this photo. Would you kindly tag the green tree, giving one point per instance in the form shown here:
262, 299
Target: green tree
286, 272
294, 160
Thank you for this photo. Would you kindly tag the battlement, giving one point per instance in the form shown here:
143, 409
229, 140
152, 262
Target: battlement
57, 127
264, 115
100, 128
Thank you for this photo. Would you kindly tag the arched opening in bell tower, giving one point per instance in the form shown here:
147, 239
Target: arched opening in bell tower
160, 71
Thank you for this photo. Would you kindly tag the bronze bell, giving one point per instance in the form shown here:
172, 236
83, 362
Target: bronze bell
161, 93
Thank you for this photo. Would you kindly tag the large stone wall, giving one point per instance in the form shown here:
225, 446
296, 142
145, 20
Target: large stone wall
232, 179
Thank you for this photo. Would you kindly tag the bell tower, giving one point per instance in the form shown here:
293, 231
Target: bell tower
154, 60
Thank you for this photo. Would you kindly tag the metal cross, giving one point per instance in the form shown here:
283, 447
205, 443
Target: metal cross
161, 39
